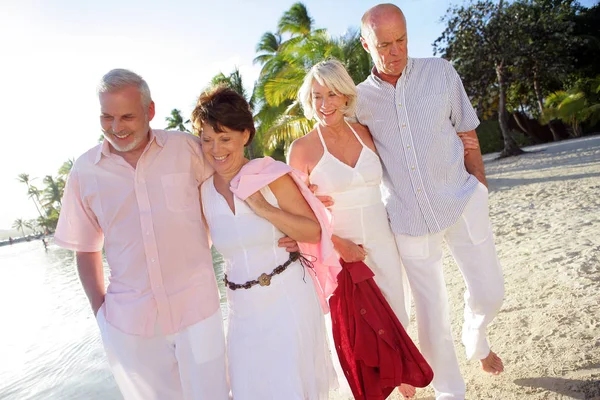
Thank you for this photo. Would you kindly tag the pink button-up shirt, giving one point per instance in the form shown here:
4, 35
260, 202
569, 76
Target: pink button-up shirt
149, 221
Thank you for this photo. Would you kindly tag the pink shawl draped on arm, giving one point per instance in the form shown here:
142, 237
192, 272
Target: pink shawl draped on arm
260, 172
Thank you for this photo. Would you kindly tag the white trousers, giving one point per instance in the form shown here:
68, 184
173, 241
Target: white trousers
187, 365
471, 242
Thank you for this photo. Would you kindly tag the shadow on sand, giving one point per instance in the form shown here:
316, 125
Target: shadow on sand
575, 389
499, 184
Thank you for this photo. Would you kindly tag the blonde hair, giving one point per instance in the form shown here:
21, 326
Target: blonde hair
333, 74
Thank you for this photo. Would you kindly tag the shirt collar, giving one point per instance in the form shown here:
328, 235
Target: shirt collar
378, 81
160, 137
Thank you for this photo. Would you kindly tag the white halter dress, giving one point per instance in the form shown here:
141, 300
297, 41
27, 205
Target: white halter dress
359, 215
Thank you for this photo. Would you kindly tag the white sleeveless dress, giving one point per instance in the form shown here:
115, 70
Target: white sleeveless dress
359, 215
276, 338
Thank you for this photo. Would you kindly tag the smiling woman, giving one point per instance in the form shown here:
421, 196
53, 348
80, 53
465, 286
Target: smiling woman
224, 122
275, 321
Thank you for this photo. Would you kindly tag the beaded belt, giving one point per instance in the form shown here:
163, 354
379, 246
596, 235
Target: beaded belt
264, 279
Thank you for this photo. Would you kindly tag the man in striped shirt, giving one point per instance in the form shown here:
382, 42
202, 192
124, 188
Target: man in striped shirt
416, 109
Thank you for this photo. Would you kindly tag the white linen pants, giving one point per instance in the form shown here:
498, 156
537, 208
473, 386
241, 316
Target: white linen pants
187, 365
471, 242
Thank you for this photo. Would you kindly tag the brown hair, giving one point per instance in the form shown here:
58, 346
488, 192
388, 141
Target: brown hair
222, 107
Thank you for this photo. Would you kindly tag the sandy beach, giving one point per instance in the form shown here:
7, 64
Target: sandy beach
545, 208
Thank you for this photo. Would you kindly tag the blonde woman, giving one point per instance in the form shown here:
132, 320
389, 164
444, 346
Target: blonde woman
340, 158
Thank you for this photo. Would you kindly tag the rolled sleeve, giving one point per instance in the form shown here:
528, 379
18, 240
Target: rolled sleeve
462, 114
78, 227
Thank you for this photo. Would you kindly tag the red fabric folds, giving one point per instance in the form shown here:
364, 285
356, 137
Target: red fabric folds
375, 351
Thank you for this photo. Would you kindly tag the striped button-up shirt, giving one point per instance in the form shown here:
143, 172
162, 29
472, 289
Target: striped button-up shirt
414, 126
149, 221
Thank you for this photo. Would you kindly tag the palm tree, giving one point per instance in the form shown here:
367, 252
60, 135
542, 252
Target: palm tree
19, 224
32, 191
175, 121
65, 169
267, 49
53, 192
296, 21
233, 81
579, 104
32, 225
280, 118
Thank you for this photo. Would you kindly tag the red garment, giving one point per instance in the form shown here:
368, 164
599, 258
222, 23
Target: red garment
375, 351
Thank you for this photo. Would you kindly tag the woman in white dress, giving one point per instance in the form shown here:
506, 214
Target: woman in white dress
276, 339
340, 158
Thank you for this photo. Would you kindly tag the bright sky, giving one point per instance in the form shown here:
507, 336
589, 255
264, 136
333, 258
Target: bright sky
53, 53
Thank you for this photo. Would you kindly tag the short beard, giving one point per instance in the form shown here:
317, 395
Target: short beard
110, 136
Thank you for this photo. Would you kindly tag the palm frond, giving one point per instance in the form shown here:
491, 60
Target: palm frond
296, 21
287, 129
285, 87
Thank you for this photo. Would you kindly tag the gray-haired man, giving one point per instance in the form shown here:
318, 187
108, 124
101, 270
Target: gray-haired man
136, 195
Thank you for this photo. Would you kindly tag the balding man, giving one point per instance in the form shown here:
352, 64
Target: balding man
416, 109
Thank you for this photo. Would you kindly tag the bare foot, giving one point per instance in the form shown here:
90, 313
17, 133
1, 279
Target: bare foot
407, 391
492, 364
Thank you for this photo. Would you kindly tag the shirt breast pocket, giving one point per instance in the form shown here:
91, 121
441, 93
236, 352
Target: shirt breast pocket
431, 111
181, 192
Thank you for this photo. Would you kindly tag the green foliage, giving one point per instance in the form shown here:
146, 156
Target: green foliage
48, 200
19, 224
490, 137
513, 56
286, 56
233, 81
579, 104
176, 122
296, 21
480, 39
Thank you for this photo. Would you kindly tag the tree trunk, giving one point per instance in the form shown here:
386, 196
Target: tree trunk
540, 100
510, 146
34, 202
576, 128
480, 107
516, 116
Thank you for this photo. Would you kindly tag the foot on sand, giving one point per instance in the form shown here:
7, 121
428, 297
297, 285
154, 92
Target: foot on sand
407, 391
492, 364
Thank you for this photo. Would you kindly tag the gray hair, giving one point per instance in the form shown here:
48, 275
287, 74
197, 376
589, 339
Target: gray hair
333, 74
118, 79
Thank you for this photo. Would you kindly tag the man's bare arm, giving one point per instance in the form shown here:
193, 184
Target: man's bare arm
91, 275
473, 160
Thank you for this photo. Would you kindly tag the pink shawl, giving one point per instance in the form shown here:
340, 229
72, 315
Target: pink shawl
257, 174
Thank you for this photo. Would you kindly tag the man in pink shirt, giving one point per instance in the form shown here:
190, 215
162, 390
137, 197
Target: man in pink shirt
136, 195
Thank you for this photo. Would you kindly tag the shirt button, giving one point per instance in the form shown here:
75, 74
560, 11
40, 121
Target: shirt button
399, 104
419, 190
363, 311
381, 332
152, 260
412, 168
404, 125
408, 147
